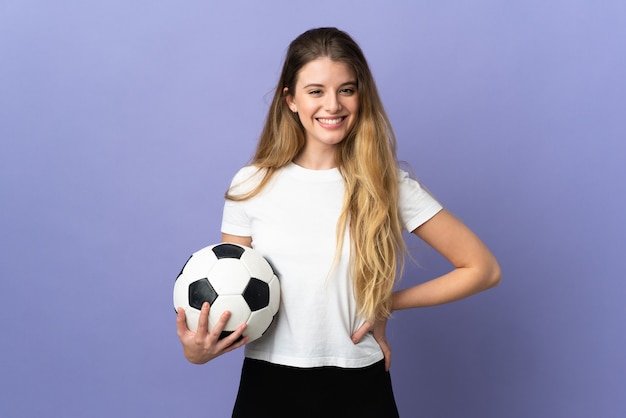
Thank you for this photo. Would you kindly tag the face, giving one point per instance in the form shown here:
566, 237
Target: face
327, 101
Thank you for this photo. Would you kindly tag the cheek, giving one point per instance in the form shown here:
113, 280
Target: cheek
308, 110
355, 111
355, 107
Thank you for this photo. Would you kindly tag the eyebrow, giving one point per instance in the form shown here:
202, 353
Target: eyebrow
347, 83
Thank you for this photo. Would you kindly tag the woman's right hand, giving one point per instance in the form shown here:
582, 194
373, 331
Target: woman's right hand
202, 346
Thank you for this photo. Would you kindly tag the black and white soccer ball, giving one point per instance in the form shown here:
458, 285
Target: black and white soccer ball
230, 277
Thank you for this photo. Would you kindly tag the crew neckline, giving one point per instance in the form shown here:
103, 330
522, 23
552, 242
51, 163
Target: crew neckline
329, 174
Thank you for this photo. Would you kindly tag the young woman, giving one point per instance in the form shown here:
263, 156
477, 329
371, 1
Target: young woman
324, 200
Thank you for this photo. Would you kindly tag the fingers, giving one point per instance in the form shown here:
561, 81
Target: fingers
202, 346
181, 322
386, 349
203, 332
220, 324
232, 341
360, 333
378, 331
203, 321
235, 340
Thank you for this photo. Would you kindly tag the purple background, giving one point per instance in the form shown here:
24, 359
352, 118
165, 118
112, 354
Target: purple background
122, 122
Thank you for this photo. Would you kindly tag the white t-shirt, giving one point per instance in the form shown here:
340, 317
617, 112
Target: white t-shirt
293, 223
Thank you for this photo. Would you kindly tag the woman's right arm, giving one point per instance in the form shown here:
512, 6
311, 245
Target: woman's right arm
202, 346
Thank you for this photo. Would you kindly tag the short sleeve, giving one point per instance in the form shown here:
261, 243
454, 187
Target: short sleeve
415, 203
235, 220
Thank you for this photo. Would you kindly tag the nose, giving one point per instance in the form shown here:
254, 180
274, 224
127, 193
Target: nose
332, 103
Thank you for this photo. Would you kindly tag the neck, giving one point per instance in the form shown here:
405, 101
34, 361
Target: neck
321, 160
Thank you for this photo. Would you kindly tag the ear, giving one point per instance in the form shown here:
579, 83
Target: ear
289, 100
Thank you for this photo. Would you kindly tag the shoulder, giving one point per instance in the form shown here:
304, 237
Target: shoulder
407, 180
410, 185
246, 179
247, 172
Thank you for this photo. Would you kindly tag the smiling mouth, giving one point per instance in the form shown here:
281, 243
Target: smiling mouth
331, 121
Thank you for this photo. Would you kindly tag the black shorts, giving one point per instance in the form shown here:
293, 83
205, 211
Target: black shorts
268, 390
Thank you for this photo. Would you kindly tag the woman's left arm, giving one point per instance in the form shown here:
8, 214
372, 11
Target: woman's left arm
475, 267
475, 270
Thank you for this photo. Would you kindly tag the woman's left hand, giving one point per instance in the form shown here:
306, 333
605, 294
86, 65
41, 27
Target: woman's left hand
378, 331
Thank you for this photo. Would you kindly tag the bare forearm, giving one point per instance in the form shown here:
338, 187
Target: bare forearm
475, 267
455, 285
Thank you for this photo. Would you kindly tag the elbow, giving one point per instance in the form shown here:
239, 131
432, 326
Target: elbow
493, 275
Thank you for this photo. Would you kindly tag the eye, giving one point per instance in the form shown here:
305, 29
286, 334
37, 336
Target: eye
348, 91
315, 92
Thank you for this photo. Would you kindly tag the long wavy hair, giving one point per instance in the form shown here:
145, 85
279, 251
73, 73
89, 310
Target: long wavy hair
366, 159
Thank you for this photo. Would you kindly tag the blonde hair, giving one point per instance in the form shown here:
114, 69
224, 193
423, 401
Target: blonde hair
366, 159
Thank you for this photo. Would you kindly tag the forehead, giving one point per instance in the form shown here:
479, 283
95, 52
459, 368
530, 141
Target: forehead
324, 71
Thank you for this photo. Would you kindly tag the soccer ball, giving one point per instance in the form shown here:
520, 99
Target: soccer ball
230, 277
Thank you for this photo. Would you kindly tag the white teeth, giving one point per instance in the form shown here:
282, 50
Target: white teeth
330, 121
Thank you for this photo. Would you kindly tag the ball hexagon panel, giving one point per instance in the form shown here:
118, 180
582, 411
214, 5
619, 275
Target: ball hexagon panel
181, 292
200, 264
229, 277
258, 266
258, 323
274, 303
192, 317
240, 312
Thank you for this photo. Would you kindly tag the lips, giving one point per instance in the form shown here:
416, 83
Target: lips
331, 121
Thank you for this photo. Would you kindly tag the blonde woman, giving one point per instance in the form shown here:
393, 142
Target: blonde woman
324, 200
